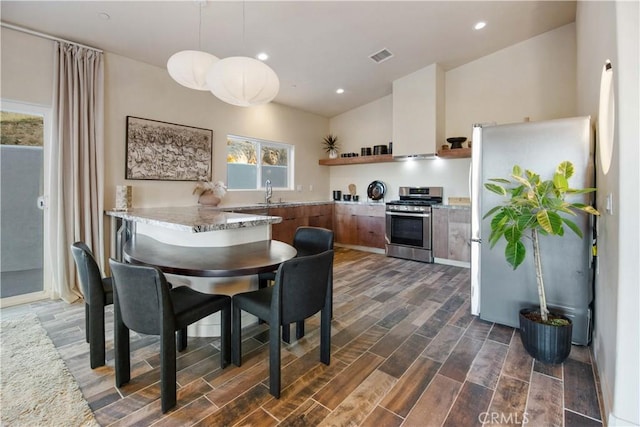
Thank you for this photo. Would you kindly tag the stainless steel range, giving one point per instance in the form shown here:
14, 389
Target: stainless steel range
408, 223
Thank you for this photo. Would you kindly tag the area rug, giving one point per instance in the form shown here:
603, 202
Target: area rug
36, 388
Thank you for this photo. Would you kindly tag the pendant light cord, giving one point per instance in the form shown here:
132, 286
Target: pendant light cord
243, 23
200, 28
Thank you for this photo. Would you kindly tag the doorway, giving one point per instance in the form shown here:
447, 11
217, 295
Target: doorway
23, 150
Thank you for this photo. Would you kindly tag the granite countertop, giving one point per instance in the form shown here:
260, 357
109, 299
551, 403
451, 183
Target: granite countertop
283, 204
362, 202
194, 219
467, 207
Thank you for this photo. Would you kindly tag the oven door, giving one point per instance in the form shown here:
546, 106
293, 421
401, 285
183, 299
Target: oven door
408, 229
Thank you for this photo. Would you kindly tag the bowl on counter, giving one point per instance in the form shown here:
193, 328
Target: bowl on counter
346, 197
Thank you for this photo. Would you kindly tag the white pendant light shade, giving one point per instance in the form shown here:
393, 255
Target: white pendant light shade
190, 67
243, 81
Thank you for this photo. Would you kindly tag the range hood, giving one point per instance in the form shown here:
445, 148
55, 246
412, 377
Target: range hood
407, 157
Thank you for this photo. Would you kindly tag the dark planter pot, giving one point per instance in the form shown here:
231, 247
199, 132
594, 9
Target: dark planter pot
545, 343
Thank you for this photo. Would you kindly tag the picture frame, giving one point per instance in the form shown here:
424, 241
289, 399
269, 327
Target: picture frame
157, 150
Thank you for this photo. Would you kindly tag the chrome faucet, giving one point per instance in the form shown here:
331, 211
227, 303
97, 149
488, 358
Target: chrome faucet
268, 191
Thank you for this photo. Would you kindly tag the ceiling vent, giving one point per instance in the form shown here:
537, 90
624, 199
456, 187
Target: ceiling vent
381, 56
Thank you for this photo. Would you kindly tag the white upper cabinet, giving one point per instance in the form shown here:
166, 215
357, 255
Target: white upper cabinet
419, 112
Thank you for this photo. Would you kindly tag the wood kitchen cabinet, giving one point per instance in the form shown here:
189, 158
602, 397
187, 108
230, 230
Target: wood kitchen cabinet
451, 233
315, 215
360, 225
292, 218
345, 225
320, 215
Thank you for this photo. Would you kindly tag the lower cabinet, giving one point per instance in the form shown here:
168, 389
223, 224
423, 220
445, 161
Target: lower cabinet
298, 216
452, 234
361, 225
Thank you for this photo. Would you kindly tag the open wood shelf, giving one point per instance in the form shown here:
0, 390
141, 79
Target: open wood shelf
456, 153
360, 160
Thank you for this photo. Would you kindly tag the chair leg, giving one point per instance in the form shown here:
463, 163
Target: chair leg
262, 283
325, 335
236, 336
225, 337
299, 329
274, 361
168, 370
122, 356
182, 339
286, 333
86, 322
96, 337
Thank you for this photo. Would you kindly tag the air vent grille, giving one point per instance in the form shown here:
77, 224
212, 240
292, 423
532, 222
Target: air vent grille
381, 56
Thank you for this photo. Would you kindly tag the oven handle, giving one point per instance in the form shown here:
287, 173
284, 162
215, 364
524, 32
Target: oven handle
415, 215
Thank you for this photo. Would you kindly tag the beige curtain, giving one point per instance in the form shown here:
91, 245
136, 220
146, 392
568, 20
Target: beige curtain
76, 172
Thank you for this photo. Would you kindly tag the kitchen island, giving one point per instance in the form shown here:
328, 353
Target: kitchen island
191, 230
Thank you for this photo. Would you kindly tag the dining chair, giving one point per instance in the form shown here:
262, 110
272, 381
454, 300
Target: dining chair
307, 241
98, 293
145, 303
301, 290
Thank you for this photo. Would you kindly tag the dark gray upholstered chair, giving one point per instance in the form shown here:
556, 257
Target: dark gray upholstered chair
307, 241
301, 290
145, 303
98, 293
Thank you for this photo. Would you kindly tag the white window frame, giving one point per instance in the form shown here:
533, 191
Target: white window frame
260, 182
46, 113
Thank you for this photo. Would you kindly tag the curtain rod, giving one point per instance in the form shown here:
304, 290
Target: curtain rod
46, 36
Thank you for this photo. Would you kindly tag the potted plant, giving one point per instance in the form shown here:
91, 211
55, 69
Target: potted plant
535, 207
330, 145
210, 193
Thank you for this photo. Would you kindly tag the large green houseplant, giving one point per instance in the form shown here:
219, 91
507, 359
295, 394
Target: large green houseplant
534, 206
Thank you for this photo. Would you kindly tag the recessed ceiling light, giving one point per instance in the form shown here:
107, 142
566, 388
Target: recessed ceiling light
104, 16
480, 25
262, 56
340, 90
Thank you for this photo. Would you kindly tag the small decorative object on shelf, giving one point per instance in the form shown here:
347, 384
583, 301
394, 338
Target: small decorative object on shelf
330, 145
210, 193
456, 142
123, 197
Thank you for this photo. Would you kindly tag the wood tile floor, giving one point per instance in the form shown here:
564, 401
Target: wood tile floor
405, 351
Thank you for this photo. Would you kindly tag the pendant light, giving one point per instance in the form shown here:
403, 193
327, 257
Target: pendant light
190, 67
243, 81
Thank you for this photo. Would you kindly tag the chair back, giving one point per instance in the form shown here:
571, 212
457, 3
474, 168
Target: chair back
88, 271
312, 240
142, 295
301, 286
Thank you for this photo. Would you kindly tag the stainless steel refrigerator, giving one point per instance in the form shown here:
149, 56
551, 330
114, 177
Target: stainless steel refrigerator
497, 291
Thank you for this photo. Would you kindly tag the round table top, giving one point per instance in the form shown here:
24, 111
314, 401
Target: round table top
226, 261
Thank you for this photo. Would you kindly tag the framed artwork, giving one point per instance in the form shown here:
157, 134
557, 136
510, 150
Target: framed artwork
166, 151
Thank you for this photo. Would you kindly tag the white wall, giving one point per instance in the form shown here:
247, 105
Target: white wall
370, 125
609, 31
535, 78
137, 89
27, 68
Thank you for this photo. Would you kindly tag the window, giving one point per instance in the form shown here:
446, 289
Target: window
250, 162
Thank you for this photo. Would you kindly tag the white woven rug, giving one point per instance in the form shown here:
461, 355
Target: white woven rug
36, 388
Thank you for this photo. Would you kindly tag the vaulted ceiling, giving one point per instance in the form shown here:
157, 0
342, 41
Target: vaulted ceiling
315, 47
